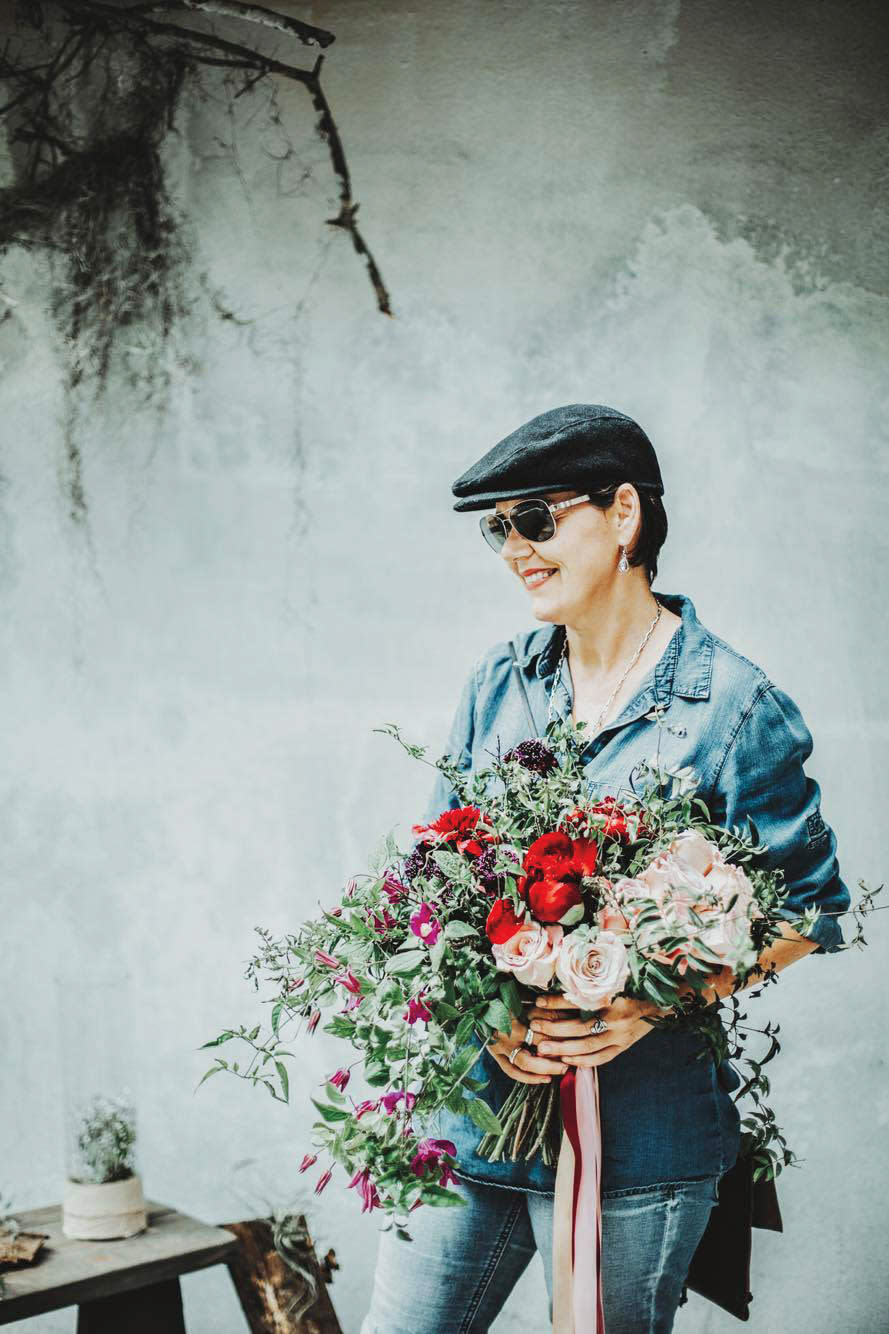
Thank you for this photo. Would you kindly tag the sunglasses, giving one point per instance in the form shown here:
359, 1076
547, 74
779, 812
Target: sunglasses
534, 520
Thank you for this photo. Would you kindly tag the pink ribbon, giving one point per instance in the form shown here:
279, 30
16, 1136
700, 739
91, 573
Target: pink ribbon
577, 1208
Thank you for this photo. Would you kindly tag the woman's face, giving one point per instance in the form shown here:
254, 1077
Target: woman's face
581, 557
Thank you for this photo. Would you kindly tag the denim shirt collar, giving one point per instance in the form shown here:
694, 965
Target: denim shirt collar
685, 667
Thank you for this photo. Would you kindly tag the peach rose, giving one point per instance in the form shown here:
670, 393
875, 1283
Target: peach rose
531, 953
592, 967
691, 849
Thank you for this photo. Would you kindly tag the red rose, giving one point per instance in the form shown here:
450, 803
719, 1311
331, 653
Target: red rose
502, 923
550, 900
554, 867
460, 828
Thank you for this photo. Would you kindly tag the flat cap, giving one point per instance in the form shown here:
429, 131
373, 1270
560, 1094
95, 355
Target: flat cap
574, 447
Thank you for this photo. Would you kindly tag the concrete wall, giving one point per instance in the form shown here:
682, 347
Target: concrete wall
678, 209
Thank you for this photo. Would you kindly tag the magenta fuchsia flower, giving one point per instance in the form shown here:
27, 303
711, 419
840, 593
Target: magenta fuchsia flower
427, 1160
417, 1010
368, 1105
313, 1021
391, 1100
352, 985
296, 983
323, 1180
339, 1080
321, 956
425, 925
336, 912
307, 1161
369, 1196
448, 1176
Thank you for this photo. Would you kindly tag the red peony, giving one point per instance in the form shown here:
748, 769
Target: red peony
460, 828
502, 923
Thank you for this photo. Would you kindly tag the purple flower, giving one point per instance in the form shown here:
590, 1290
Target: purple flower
340, 1079
394, 890
323, 1180
368, 1190
493, 883
416, 863
425, 925
368, 1105
417, 1010
307, 1161
391, 1100
533, 755
321, 956
313, 1021
447, 1176
429, 1154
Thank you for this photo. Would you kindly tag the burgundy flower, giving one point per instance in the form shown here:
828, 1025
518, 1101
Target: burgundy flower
394, 890
307, 1161
391, 1100
447, 1176
381, 924
323, 1180
296, 983
340, 1079
368, 1105
425, 925
427, 1160
368, 1190
321, 956
417, 1010
418, 862
533, 755
313, 1021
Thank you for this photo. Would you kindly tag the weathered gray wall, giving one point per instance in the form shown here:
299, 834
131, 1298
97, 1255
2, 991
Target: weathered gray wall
675, 208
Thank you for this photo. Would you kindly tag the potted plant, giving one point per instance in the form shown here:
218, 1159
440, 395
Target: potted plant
103, 1195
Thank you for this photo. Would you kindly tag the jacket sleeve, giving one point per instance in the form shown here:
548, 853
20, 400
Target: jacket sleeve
459, 746
762, 776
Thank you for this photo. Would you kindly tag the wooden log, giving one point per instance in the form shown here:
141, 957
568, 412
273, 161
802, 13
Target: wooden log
278, 1295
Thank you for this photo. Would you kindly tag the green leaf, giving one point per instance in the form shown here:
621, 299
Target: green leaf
276, 1016
436, 954
330, 1113
498, 1016
512, 997
217, 1042
464, 1061
452, 864
408, 962
438, 1195
483, 1116
464, 1029
455, 929
214, 1070
285, 1082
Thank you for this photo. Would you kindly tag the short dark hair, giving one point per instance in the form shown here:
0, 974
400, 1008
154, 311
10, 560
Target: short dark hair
652, 527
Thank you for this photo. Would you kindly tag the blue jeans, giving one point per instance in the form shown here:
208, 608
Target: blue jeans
463, 1262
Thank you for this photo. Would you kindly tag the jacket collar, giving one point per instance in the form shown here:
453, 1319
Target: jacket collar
685, 668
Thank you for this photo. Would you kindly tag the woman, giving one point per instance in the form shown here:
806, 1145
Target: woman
577, 517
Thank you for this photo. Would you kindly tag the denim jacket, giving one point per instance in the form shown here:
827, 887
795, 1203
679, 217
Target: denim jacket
666, 1111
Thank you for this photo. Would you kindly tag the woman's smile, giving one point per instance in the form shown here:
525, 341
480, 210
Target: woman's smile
537, 577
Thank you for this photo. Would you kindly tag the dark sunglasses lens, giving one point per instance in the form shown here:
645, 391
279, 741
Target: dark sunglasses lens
493, 530
533, 521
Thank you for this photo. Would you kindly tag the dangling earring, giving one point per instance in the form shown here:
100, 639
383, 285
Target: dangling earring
623, 564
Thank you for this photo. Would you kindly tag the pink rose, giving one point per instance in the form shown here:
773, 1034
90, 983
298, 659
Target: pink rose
691, 849
592, 966
530, 954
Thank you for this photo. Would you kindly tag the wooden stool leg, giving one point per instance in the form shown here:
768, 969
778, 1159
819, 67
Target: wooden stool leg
156, 1309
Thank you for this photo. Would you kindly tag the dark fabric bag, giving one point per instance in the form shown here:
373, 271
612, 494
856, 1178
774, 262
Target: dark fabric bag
720, 1267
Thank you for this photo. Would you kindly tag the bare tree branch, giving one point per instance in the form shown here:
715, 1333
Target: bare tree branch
234, 9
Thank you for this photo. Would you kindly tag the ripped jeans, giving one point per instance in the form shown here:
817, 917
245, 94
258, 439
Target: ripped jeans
463, 1262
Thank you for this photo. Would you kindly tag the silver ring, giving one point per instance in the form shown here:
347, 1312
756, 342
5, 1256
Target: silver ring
599, 1026
513, 1054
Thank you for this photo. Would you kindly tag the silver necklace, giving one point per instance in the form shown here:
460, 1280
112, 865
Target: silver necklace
558, 676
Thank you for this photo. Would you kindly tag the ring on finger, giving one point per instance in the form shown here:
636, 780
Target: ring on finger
598, 1026
514, 1051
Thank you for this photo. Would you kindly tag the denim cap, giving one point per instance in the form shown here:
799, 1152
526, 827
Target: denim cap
572, 448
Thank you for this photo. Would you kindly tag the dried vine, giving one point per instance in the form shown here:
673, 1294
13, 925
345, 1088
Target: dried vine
92, 91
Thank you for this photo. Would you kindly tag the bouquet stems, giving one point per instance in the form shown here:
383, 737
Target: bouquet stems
530, 1120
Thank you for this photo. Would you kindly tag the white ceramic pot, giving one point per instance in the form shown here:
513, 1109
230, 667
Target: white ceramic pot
101, 1212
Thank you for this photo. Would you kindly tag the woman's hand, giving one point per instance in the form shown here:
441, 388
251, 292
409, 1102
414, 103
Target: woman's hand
570, 1039
528, 1068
